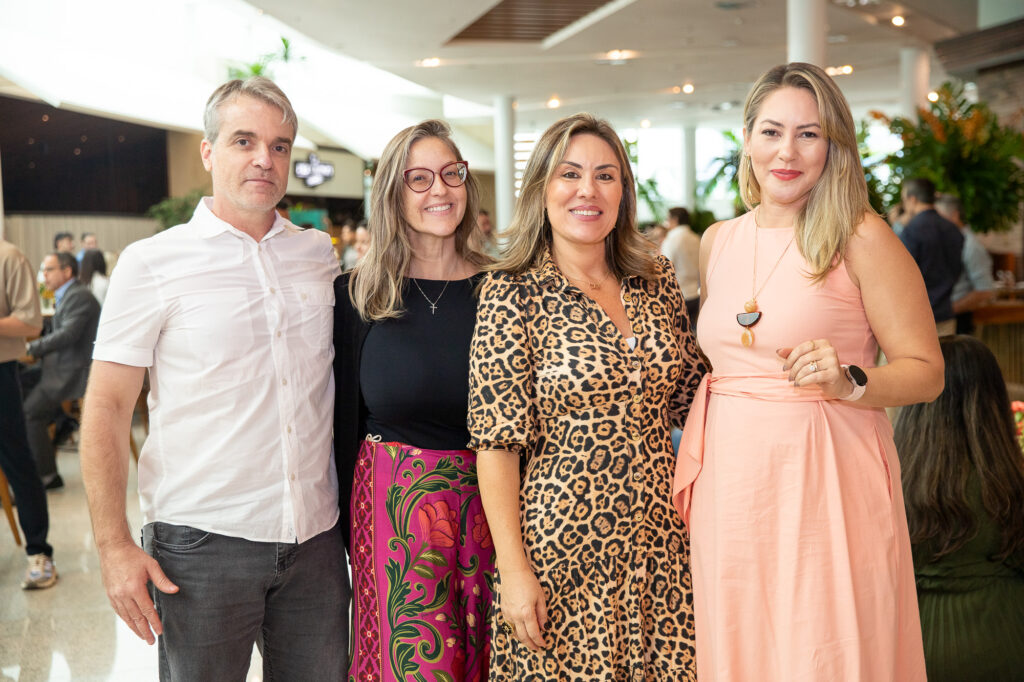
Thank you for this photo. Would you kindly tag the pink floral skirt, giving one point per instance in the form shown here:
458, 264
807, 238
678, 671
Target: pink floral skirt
422, 566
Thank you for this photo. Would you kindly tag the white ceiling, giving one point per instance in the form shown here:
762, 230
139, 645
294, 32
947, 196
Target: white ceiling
720, 51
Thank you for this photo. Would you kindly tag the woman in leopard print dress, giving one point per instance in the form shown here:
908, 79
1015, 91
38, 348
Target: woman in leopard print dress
581, 362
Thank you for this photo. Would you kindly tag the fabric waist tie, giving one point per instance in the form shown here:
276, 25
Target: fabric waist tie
771, 387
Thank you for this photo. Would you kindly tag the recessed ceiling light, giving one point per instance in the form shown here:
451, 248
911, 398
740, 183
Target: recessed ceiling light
646, 123
676, 90
554, 103
688, 88
429, 62
933, 96
898, 20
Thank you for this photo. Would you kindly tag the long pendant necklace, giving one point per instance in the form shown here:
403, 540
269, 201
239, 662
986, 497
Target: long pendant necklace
751, 315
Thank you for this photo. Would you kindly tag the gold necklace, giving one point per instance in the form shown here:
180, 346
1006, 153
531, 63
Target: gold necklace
594, 286
751, 315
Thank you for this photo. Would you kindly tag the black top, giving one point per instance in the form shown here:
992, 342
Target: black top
350, 341
936, 245
414, 372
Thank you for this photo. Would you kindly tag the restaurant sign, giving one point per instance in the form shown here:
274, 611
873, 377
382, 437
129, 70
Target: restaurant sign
313, 171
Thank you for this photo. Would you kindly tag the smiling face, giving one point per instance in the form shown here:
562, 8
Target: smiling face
439, 210
786, 147
249, 160
582, 197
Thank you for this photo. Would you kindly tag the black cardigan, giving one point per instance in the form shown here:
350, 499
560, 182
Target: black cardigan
350, 332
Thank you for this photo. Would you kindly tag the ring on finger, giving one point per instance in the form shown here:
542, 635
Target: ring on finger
813, 366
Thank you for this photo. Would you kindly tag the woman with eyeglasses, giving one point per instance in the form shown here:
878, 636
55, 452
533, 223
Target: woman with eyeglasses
420, 548
581, 362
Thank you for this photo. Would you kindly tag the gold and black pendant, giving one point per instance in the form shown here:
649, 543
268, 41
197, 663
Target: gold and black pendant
748, 319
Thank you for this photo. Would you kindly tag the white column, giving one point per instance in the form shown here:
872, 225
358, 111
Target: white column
914, 74
690, 166
805, 31
504, 168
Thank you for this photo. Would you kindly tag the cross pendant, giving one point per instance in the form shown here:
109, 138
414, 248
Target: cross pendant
433, 308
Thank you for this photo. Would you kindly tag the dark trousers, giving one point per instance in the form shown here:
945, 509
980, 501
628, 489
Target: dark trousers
291, 599
19, 466
41, 410
692, 308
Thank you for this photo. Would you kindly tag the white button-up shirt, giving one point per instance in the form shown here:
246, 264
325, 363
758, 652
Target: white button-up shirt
237, 338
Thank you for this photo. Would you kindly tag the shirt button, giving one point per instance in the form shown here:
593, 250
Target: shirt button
273, 290
637, 329
626, 297
634, 363
278, 333
638, 516
638, 476
284, 382
637, 398
304, 297
289, 429
292, 476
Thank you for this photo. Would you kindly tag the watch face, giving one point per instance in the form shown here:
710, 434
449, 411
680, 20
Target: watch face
858, 375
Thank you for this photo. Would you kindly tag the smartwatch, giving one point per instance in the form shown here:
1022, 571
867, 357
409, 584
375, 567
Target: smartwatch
859, 380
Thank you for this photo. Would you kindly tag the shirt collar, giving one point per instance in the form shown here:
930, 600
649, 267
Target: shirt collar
208, 225
61, 290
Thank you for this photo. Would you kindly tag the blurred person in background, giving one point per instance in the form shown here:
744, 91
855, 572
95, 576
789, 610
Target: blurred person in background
975, 287
682, 247
963, 483
93, 273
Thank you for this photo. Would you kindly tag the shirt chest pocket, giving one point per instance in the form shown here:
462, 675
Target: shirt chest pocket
312, 304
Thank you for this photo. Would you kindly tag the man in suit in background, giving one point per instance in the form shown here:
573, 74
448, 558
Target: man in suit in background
65, 354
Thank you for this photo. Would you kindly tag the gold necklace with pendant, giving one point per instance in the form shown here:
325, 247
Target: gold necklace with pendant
751, 315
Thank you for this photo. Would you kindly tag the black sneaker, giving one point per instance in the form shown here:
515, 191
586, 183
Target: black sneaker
55, 483
64, 428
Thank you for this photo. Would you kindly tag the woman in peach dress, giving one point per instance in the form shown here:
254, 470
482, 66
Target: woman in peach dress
787, 475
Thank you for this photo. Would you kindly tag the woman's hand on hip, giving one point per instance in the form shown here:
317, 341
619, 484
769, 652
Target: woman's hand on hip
523, 607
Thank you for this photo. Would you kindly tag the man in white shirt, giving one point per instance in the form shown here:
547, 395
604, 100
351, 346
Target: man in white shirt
682, 247
232, 314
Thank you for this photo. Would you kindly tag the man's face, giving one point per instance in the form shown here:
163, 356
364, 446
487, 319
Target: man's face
67, 245
249, 161
53, 275
910, 205
89, 241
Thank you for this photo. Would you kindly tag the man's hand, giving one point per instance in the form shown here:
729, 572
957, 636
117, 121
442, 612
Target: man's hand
126, 571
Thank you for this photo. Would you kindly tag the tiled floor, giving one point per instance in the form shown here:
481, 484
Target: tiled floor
69, 632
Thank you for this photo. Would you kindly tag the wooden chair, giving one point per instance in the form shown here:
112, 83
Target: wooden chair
5, 499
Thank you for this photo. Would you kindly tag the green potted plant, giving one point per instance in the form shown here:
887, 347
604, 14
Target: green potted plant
175, 210
726, 172
963, 149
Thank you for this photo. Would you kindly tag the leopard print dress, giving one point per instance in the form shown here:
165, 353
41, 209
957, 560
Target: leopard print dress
553, 380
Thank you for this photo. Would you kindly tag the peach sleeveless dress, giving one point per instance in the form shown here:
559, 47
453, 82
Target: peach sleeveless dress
800, 552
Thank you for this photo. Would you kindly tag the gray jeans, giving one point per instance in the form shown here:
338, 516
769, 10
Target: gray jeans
291, 599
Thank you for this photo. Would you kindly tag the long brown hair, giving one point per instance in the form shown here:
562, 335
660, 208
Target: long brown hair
839, 200
627, 252
376, 285
967, 430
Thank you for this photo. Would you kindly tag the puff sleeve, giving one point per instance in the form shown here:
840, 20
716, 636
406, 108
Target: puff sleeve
502, 409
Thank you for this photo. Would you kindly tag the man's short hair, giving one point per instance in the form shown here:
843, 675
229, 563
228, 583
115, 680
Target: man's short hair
484, 211
60, 236
66, 260
86, 235
680, 215
257, 87
921, 189
950, 202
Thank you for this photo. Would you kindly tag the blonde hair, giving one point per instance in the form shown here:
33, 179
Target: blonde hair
839, 199
376, 285
626, 251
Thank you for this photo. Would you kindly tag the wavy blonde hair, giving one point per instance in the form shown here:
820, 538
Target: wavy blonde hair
376, 285
627, 252
839, 199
